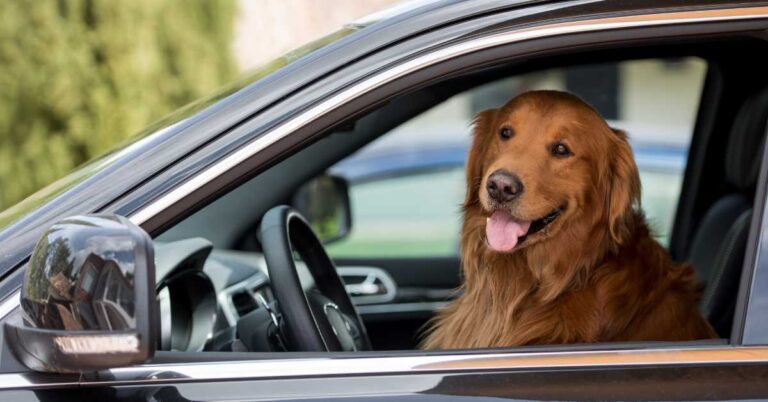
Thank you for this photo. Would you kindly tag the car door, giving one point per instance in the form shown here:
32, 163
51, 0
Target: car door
698, 370
481, 374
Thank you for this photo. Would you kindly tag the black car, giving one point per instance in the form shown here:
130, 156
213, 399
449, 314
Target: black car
194, 263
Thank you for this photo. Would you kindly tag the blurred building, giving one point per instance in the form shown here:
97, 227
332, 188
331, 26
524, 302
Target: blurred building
265, 29
653, 98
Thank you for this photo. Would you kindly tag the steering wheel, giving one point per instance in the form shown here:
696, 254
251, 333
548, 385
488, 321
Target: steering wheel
320, 319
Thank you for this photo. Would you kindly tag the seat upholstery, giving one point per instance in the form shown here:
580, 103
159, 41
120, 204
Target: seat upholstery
717, 250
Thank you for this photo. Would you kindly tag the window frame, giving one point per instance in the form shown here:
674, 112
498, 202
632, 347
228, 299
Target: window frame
262, 150
752, 297
410, 68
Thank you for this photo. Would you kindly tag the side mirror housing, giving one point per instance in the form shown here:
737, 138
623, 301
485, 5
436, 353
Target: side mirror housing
88, 298
324, 202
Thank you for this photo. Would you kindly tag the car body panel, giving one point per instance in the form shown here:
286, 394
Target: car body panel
471, 378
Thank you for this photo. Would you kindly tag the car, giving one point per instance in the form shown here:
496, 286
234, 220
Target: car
659, 164
223, 255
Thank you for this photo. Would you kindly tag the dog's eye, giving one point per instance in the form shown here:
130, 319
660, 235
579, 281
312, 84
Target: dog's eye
506, 133
560, 150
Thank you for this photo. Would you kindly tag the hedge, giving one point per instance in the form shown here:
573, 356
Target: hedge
78, 77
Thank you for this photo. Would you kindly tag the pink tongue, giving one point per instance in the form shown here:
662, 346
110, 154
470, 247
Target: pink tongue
503, 232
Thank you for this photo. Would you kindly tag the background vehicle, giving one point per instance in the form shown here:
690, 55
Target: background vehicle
433, 172
202, 188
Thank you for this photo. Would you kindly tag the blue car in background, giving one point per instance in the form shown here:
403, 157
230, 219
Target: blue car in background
433, 173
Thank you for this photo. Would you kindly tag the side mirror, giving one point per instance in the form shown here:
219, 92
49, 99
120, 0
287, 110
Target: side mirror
324, 203
88, 298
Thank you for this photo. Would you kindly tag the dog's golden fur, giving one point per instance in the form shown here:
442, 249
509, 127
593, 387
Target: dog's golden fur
594, 274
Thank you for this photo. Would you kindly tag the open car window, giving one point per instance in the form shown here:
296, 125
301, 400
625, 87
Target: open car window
407, 187
403, 168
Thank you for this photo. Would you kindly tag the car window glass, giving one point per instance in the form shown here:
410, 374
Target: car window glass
407, 200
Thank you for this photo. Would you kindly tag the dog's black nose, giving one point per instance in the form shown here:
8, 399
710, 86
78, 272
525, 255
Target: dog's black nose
503, 186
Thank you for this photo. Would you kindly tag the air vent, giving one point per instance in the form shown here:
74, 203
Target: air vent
244, 303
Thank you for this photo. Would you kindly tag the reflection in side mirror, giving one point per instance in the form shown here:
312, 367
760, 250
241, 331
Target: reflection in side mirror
88, 299
324, 203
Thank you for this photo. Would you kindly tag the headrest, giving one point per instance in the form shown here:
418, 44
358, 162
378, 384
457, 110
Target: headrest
742, 162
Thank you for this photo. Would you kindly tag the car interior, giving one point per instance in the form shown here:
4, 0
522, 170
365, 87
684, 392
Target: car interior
215, 289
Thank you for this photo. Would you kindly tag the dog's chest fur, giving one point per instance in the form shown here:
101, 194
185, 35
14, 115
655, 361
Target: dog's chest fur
636, 294
521, 315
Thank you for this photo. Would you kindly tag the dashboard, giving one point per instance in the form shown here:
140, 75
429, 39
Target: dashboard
202, 293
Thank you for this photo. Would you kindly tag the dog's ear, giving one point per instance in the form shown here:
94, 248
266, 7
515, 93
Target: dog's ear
482, 123
624, 192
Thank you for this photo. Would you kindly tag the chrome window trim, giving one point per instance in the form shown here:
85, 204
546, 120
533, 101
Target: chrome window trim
340, 366
151, 374
34, 381
293, 368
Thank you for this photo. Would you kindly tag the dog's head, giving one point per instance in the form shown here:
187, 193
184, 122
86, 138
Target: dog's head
547, 163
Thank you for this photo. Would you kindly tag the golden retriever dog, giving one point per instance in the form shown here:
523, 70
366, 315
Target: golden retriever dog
554, 246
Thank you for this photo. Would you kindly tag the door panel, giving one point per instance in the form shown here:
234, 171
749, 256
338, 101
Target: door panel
423, 286
435, 273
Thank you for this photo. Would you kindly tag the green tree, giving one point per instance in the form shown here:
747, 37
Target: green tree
77, 77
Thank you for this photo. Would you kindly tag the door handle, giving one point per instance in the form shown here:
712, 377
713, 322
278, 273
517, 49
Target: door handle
368, 285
